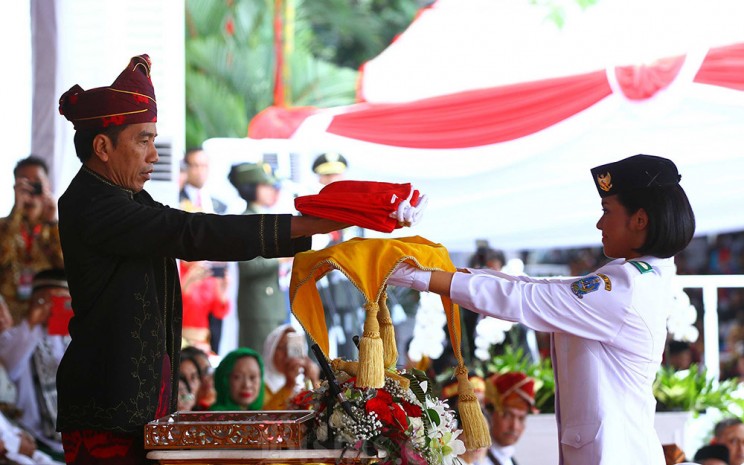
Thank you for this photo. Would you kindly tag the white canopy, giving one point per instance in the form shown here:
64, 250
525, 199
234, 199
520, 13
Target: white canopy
534, 190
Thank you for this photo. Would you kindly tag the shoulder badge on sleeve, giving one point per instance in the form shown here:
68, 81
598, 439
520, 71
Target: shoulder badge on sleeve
585, 285
607, 282
643, 267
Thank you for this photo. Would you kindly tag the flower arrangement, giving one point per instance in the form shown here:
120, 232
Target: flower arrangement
399, 425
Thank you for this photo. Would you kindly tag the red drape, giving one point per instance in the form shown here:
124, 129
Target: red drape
642, 82
498, 114
474, 118
278, 122
723, 66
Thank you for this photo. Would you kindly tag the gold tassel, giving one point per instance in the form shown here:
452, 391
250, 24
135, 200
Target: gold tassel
352, 368
387, 332
371, 366
473, 422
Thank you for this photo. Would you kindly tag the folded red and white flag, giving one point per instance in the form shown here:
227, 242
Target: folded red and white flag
381, 206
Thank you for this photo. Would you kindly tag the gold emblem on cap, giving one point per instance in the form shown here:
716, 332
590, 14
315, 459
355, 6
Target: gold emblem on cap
605, 182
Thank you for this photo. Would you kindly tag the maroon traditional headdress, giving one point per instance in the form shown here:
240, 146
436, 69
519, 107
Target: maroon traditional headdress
129, 100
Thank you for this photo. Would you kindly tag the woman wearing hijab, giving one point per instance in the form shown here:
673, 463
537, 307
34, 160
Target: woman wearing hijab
283, 365
238, 381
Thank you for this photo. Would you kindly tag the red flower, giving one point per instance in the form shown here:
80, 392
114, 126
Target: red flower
381, 408
384, 396
303, 400
412, 410
230, 26
400, 416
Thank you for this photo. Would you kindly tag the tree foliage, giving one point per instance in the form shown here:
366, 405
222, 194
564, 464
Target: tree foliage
230, 57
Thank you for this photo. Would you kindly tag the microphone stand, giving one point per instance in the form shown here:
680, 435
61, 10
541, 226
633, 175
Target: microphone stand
333, 386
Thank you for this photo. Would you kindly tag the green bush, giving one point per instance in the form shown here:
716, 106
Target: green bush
693, 390
688, 390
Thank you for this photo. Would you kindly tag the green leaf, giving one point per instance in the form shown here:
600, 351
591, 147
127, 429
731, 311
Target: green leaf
433, 416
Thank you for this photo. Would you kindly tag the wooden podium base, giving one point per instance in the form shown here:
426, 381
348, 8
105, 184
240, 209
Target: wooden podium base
260, 457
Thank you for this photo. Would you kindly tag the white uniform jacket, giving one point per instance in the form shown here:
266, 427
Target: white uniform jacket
608, 331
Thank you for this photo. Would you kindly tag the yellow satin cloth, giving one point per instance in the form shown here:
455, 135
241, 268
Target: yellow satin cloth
368, 264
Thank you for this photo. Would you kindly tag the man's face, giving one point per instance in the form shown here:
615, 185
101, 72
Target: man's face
267, 195
30, 203
733, 438
326, 179
197, 169
131, 163
508, 425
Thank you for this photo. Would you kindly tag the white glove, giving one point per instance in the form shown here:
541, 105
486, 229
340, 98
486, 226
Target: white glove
405, 275
409, 215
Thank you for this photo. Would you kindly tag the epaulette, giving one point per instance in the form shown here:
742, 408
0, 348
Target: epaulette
643, 267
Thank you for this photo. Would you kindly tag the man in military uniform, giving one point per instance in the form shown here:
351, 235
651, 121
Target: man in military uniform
330, 167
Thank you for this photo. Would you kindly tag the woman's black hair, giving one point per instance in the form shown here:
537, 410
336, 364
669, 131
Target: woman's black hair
192, 359
182, 377
671, 221
193, 351
84, 140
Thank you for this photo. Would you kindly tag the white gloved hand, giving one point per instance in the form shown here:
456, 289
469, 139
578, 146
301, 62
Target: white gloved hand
408, 215
405, 275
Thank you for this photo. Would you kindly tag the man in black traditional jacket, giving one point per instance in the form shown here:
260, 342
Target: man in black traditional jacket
119, 245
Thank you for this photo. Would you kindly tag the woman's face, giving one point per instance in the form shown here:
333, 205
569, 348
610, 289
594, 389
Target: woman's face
621, 232
191, 373
245, 381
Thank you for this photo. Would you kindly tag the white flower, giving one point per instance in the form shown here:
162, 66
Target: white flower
488, 332
682, 318
417, 432
337, 419
482, 354
428, 333
322, 432
452, 447
690, 334
446, 446
442, 411
514, 267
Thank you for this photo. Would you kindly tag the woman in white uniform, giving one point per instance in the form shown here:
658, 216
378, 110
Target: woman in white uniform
608, 328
